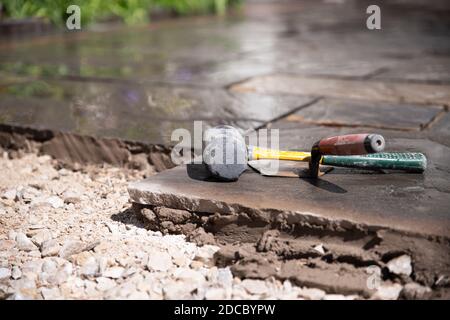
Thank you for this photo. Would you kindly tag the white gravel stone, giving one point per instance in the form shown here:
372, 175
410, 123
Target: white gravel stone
28, 193
400, 265
177, 290
215, 294
70, 247
254, 286
5, 273
189, 276
12, 235
159, 261
225, 277
32, 267
312, 293
49, 266
24, 243
51, 293
319, 249
87, 211
90, 267
104, 284
90, 288
205, 253
50, 248
55, 201
138, 295
9, 194
114, 229
25, 288
41, 236
387, 292
59, 277
71, 197
114, 272
181, 260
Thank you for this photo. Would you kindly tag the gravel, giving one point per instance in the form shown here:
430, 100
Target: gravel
400, 265
69, 234
24, 243
388, 292
413, 291
5, 273
159, 261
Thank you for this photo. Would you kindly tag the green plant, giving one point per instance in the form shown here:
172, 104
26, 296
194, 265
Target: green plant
55, 10
129, 11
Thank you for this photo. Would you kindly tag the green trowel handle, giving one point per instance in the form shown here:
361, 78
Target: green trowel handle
409, 161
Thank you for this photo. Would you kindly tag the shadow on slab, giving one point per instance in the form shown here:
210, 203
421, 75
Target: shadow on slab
324, 185
198, 171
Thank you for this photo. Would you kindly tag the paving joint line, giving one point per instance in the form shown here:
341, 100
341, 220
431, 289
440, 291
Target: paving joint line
346, 125
435, 119
294, 110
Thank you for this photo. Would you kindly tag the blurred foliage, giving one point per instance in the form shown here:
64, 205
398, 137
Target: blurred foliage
36, 89
129, 11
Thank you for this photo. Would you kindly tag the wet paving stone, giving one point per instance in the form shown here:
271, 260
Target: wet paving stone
428, 68
344, 88
440, 130
171, 52
354, 113
134, 111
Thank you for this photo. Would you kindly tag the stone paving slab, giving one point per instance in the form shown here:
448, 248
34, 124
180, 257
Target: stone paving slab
172, 52
402, 202
339, 112
133, 111
328, 41
440, 131
396, 92
302, 39
435, 69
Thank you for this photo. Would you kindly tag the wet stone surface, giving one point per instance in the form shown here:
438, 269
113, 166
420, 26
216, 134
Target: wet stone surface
126, 78
390, 92
423, 69
135, 112
366, 113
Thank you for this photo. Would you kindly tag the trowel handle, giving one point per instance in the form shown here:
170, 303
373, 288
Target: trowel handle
351, 144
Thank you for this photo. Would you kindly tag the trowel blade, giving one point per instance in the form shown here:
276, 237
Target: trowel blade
289, 169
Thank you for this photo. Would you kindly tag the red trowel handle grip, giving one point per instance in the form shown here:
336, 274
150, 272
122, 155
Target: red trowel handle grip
351, 144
